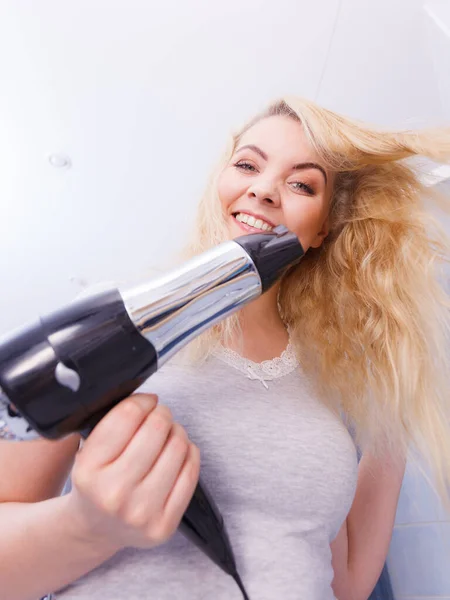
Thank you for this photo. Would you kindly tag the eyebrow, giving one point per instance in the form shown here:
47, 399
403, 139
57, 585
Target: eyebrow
298, 167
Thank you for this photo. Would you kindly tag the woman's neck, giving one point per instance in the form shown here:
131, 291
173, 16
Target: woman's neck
262, 334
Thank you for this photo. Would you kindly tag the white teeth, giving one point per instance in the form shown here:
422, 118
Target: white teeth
256, 223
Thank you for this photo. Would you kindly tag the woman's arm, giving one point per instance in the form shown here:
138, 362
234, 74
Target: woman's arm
38, 531
43, 549
36, 470
361, 546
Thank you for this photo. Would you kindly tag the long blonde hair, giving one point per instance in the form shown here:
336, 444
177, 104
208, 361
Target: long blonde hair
368, 311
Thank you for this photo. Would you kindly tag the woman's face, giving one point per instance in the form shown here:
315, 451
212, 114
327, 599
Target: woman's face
273, 178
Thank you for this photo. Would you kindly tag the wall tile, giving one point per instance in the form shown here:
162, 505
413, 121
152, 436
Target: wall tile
418, 502
419, 560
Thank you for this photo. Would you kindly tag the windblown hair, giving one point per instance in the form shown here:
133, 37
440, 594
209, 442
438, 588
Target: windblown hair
368, 311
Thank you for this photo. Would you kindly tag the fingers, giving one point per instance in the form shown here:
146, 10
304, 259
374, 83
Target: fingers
161, 499
139, 456
163, 475
114, 432
136, 473
183, 490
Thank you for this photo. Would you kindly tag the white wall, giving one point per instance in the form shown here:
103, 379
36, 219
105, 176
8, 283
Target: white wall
438, 37
141, 95
380, 67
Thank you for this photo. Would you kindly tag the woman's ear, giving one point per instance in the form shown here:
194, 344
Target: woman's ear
324, 231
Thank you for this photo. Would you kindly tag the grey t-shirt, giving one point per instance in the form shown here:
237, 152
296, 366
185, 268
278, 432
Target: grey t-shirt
282, 469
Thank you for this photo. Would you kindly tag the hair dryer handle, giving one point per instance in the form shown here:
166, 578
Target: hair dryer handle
204, 526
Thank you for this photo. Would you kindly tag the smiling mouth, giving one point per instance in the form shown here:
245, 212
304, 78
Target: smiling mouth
251, 223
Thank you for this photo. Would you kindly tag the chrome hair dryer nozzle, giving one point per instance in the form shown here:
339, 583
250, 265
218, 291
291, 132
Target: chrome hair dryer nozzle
68, 369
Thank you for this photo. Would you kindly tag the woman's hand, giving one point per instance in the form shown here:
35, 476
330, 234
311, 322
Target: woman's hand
134, 477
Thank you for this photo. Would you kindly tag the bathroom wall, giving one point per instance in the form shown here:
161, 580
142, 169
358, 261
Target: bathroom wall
419, 556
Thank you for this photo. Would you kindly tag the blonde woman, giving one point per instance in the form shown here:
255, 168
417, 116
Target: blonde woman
354, 336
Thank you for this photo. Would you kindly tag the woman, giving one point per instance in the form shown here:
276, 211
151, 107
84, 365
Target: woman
354, 334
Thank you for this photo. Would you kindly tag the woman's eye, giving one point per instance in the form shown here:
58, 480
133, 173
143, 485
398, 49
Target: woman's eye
245, 166
299, 186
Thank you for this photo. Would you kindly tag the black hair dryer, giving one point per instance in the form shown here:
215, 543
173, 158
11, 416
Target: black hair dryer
64, 372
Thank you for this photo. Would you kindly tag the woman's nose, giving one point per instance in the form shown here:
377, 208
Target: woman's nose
264, 192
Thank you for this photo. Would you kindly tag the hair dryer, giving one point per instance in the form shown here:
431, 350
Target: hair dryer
64, 372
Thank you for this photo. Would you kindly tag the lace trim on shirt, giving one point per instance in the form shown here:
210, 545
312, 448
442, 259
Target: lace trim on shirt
263, 371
